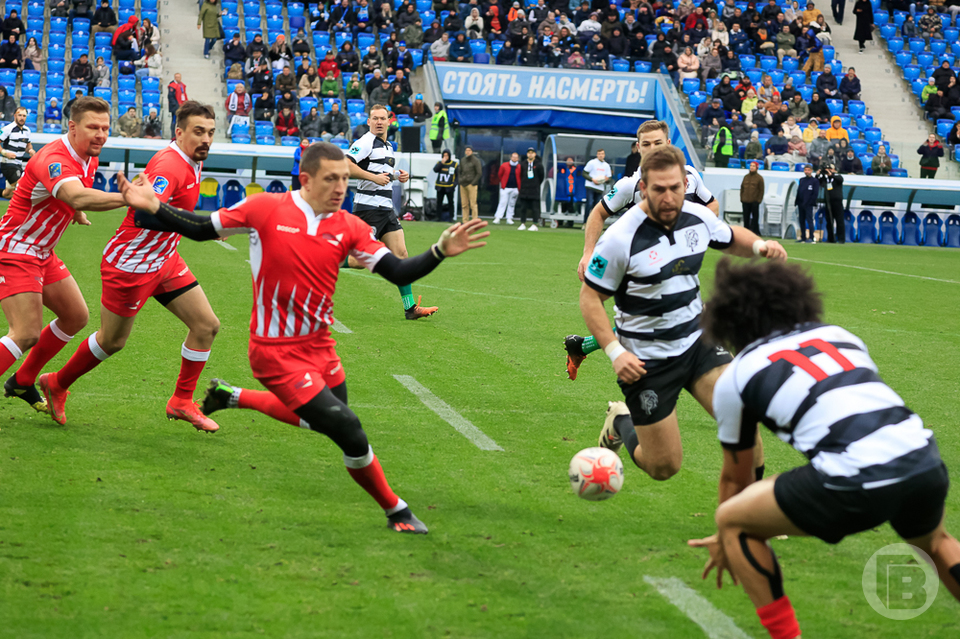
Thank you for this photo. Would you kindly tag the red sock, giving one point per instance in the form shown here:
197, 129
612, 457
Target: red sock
52, 340
779, 619
87, 357
9, 353
268, 404
191, 365
371, 478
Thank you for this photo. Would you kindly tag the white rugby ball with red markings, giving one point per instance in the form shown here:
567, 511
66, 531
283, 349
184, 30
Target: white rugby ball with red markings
596, 474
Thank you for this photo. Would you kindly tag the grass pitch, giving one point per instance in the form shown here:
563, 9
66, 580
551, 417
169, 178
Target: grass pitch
123, 524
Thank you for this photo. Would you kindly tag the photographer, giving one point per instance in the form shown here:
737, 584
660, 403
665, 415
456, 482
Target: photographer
832, 183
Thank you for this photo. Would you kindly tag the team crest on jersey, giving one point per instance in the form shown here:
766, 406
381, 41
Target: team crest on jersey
693, 238
611, 193
598, 266
354, 150
160, 185
648, 401
55, 170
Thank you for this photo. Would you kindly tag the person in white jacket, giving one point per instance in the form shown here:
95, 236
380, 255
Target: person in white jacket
150, 65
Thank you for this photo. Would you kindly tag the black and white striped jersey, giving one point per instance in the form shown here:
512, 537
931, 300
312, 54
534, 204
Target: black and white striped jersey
15, 138
372, 154
626, 192
818, 390
652, 274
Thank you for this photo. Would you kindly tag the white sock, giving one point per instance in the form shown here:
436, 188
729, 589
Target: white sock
11, 346
98, 352
400, 506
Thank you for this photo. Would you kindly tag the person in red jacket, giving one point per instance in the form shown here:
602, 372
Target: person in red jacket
287, 123
509, 189
329, 64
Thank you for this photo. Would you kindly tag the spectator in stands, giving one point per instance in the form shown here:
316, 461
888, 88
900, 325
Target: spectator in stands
951, 94
493, 23
285, 81
440, 49
330, 88
80, 74
264, 107
400, 59
381, 94
460, 50
788, 91
909, 28
235, 72
371, 61
818, 108
810, 44
931, 26
102, 75
850, 164
8, 107
404, 83
754, 150
329, 64
335, 124
354, 90
347, 60
766, 91
473, 24
289, 100
827, 84
209, 21
741, 134
797, 150
507, 56
929, 89
253, 64
11, 56
810, 14
124, 50
310, 124
811, 132
280, 54
575, 60
257, 44
943, 74
777, 149
32, 56
930, 153
688, 65
786, 43
149, 34
739, 40
433, 34
453, 23
413, 35
588, 27
58, 8
287, 123
12, 25
151, 65
599, 60
104, 19
419, 110
233, 51
399, 101
668, 60
374, 81
730, 61
711, 65
790, 129
881, 164
342, 17
849, 87
310, 84
238, 106
836, 130
130, 124
407, 16
936, 108
799, 109
364, 18
176, 95
262, 78
779, 113
818, 147
152, 127
53, 114
714, 110
300, 44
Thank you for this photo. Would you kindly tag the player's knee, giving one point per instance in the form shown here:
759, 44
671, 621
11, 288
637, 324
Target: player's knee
401, 252
73, 323
210, 328
663, 470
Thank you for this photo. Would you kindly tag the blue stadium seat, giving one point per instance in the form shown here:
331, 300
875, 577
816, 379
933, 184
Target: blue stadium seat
307, 103
642, 66
850, 226
127, 82
856, 107
54, 91
911, 72
124, 95
733, 163
404, 121
859, 146
768, 62
835, 106
31, 105
150, 84
747, 61
952, 232
779, 166
689, 85
77, 51
697, 98
353, 106
938, 47
276, 186
925, 59
240, 138
102, 39
230, 23
275, 24
56, 51
343, 144
790, 64
103, 92
357, 119
800, 166
895, 45
54, 129
916, 45
297, 22
232, 85
127, 4
944, 126
880, 18
889, 231
263, 128
233, 191
267, 140
340, 37
58, 25
289, 140
417, 55
481, 58
865, 121
932, 231
799, 77
478, 45
872, 135
911, 230
903, 58
755, 75
866, 228
888, 31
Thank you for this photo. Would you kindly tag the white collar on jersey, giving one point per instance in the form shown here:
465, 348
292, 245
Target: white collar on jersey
66, 142
312, 218
188, 160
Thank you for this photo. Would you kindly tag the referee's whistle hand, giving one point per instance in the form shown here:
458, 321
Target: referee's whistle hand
629, 368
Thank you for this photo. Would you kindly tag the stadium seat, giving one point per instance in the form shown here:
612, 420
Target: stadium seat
850, 226
856, 108
308, 103
865, 121
99, 182
899, 173
254, 189
267, 140
263, 128
149, 13
903, 58
232, 193
911, 72
642, 66
911, 231
924, 59
932, 231
276, 186
364, 40
405, 121
209, 195
481, 58
779, 166
888, 31
777, 76
894, 161
917, 45
275, 23
806, 92
103, 92
889, 232
232, 85
872, 134
620, 65
417, 55
828, 53
289, 140
353, 106
768, 62
55, 130
800, 166
790, 64
835, 106
747, 61
689, 85
230, 23
478, 45
880, 18
866, 228
340, 37
58, 25
127, 83
895, 45
859, 146
944, 126
952, 232
251, 23
755, 75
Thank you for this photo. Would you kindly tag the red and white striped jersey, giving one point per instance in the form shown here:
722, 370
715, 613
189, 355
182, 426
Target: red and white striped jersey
176, 179
295, 255
36, 219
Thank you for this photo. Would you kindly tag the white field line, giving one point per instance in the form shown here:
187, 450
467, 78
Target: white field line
876, 270
476, 436
225, 245
339, 327
714, 623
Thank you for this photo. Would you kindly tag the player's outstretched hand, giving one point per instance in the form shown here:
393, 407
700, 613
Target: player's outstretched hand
718, 558
774, 251
139, 193
629, 368
460, 238
80, 218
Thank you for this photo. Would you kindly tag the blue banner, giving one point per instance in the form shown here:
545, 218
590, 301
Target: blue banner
547, 87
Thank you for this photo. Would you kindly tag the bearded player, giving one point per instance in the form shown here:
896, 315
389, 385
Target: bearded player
297, 242
140, 262
55, 189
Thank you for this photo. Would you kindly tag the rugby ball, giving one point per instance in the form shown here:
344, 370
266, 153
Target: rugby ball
596, 474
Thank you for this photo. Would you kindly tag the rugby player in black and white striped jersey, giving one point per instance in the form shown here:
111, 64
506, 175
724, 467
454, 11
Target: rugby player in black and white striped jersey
15, 149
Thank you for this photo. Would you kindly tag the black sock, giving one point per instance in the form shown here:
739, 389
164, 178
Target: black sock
623, 424
955, 572
759, 471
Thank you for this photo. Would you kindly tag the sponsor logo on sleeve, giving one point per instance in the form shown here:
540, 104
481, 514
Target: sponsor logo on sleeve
160, 185
55, 170
598, 266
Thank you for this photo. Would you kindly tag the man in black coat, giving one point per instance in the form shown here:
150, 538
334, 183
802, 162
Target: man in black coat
531, 177
234, 52
832, 183
807, 193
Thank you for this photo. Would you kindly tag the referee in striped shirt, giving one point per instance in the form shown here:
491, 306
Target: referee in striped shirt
15, 150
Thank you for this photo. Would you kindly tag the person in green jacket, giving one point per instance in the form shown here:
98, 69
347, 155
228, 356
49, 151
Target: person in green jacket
439, 127
931, 88
330, 88
722, 146
209, 19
